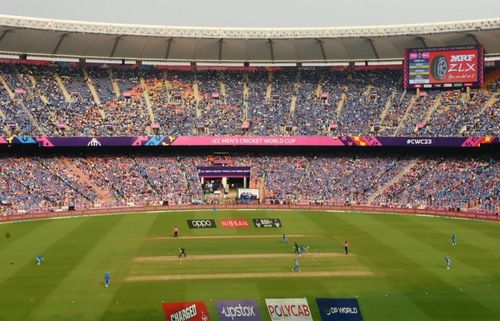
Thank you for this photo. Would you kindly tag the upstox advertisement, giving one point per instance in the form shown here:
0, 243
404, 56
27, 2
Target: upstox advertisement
339, 309
289, 309
241, 310
186, 311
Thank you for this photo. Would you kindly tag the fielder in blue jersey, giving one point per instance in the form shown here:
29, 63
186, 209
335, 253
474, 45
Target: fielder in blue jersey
448, 262
284, 239
296, 267
39, 259
453, 239
107, 279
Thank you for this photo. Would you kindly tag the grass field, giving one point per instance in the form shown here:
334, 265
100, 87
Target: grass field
396, 267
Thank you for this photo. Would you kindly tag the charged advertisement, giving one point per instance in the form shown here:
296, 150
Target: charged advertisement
444, 67
186, 311
339, 309
201, 223
289, 309
241, 310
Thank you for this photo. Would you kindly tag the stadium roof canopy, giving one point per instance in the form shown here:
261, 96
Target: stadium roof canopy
77, 39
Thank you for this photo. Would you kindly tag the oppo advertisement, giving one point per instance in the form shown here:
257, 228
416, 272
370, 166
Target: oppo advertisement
444, 67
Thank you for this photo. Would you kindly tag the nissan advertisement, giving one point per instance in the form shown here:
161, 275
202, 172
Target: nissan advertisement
444, 67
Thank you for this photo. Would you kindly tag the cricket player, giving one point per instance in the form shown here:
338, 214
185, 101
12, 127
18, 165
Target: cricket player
39, 259
182, 252
296, 267
176, 231
107, 279
346, 247
296, 248
285, 239
214, 210
448, 262
453, 239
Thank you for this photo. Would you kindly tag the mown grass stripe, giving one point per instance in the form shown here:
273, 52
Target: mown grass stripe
60, 259
421, 270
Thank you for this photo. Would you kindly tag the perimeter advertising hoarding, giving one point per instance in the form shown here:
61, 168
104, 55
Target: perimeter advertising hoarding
339, 309
267, 222
444, 67
239, 310
234, 223
186, 311
249, 193
289, 309
324, 141
201, 223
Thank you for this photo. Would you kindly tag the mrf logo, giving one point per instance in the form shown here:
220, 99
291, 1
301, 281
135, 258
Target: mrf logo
339, 309
289, 309
186, 311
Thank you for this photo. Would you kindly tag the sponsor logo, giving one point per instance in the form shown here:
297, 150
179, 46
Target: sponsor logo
339, 309
186, 311
238, 310
460, 58
267, 222
234, 223
201, 223
419, 141
289, 309
94, 142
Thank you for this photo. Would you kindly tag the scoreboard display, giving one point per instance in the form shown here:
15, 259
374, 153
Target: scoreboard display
444, 67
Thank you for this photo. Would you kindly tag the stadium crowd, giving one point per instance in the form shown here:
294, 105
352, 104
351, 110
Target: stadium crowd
100, 100
41, 183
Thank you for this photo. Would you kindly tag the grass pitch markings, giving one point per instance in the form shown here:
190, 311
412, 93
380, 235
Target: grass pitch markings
146, 278
215, 237
232, 257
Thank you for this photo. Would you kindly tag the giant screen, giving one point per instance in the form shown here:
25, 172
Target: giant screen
460, 66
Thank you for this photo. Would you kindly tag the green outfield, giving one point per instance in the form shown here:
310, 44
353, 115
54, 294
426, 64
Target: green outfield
396, 267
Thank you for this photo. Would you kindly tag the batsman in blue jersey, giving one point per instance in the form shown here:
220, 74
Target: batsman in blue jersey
107, 279
296, 267
39, 259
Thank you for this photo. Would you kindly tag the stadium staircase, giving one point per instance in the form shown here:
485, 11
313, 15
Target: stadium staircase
60, 83
7, 88
92, 89
223, 90
23, 106
145, 93
246, 93
434, 107
166, 83
114, 82
269, 89
293, 101
367, 92
102, 192
408, 110
196, 93
341, 102
393, 180
388, 105
490, 102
